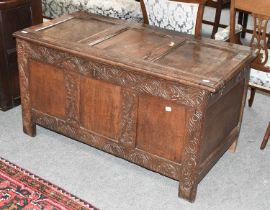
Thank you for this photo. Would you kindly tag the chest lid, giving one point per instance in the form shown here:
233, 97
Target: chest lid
169, 55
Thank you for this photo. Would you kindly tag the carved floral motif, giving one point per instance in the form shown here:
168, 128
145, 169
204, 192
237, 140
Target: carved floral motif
129, 115
72, 84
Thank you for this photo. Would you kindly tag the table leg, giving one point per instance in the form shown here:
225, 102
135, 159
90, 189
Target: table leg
188, 194
30, 129
233, 146
266, 137
252, 95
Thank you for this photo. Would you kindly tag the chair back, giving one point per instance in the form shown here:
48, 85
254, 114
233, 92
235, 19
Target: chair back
178, 15
259, 10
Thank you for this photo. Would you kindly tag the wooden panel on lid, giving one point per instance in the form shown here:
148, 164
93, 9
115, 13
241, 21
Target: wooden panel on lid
199, 60
138, 43
81, 28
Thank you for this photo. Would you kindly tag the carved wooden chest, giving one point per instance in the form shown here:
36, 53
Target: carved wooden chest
156, 98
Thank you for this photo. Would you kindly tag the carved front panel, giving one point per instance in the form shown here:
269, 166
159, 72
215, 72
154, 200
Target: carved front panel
161, 127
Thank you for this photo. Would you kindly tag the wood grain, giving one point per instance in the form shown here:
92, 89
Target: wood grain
100, 107
47, 89
161, 127
150, 113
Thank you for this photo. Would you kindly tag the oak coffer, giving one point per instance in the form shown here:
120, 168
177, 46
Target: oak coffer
160, 99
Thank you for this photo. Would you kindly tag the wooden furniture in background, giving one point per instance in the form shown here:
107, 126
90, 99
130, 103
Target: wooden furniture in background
36, 8
160, 99
243, 20
15, 15
218, 5
266, 137
171, 12
260, 72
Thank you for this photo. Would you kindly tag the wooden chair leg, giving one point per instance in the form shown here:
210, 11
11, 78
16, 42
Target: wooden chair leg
252, 95
188, 194
266, 137
240, 18
217, 19
268, 42
245, 21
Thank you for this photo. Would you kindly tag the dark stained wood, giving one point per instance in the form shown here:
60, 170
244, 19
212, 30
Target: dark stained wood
36, 8
266, 137
150, 96
218, 5
7, 4
243, 20
15, 15
252, 96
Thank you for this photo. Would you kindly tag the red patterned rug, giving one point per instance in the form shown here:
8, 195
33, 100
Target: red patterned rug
19, 189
